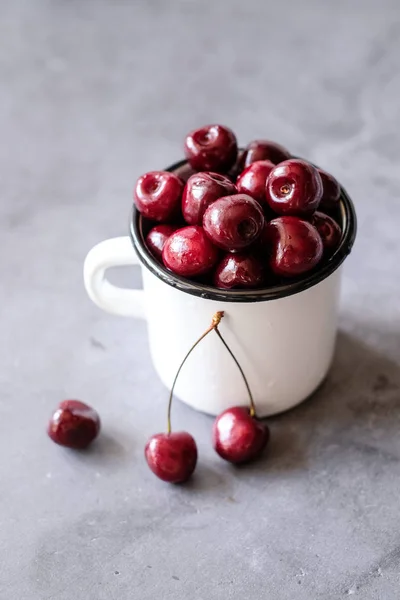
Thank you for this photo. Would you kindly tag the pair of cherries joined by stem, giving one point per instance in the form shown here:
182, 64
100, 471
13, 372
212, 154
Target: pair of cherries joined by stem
237, 435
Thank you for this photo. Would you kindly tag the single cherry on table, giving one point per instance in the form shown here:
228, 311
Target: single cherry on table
233, 222
211, 148
200, 191
74, 424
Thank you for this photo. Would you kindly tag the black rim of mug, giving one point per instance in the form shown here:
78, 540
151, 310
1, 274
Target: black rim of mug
349, 230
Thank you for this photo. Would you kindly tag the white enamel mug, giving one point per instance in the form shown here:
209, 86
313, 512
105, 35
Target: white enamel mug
283, 337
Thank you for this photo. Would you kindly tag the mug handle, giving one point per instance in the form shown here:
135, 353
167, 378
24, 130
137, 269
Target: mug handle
115, 252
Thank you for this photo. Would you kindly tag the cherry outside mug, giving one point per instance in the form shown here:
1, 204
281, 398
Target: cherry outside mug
283, 337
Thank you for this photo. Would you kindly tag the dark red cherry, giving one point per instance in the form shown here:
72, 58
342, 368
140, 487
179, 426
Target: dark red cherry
238, 437
294, 187
156, 238
172, 456
331, 191
264, 150
74, 424
294, 246
233, 222
237, 168
200, 190
252, 180
189, 252
184, 172
211, 148
329, 231
239, 270
158, 194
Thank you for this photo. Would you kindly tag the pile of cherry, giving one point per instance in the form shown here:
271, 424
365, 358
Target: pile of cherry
239, 219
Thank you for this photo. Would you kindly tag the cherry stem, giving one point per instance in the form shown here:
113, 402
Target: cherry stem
214, 326
252, 405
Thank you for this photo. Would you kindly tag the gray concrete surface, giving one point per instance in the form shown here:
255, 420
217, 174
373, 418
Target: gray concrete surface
91, 95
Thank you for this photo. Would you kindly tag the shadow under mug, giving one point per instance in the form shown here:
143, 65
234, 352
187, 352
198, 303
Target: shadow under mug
283, 336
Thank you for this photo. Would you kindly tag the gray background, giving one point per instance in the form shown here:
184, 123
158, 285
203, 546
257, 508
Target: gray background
92, 94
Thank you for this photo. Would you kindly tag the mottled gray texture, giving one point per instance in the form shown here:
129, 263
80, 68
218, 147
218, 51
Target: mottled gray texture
91, 95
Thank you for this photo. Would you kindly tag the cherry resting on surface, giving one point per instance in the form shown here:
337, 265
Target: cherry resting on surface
294, 187
200, 191
237, 436
158, 194
172, 456
74, 424
294, 245
233, 222
188, 252
211, 148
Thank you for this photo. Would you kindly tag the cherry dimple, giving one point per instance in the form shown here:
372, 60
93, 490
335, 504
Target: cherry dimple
153, 184
205, 137
294, 187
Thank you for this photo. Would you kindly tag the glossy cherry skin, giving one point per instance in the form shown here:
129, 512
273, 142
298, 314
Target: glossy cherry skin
294, 187
172, 456
329, 231
330, 191
74, 424
239, 270
294, 246
233, 222
237, 437
156, 238
200, 191
184, 172
237, 168
264, 150
188, 252
252, 180
211, 148
158, 194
